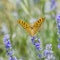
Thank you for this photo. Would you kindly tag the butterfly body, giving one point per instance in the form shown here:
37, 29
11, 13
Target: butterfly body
31, 29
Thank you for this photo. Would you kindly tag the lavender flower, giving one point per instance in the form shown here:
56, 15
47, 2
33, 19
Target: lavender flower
9, 52
59, 46
58, 29
48, 53
7, 42
33, 38
39, 55
8, 47
12, 58
58, 18
36, 43
53, 4
48, 46
58, 25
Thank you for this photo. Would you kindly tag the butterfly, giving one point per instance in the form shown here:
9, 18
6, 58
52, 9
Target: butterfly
31, 29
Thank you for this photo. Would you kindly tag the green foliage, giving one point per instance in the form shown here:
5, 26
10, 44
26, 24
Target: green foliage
11, 11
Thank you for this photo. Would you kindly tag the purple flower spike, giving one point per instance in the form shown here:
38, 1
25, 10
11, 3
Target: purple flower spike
12, 58
58, 23
36, 43
10, 53
6, 36
53, 4
58, 18
33, 38
48, 53
59, 29
39, 55
8, 47
7, 42
59, 46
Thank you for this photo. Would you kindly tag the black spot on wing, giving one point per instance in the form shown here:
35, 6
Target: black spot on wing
26, 26
39, 21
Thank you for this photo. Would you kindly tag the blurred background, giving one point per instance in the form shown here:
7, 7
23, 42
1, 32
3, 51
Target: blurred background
28, 11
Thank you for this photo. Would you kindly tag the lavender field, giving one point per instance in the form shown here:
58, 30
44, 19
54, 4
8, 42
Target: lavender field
16, 43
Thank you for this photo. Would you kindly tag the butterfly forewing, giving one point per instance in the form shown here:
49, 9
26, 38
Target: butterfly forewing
25, 26
37, 25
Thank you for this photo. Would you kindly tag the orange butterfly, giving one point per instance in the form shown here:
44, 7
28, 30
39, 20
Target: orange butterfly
31, 29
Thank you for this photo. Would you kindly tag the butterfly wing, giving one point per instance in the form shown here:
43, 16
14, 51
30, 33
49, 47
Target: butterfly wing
25, 26
37, 25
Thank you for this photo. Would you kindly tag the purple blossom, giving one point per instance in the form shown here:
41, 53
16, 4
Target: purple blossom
36, 43
48, 53
58, 22
6, 37
7, 42
10, 53
33, 38
8, 47
39, 55
58, 25
48, 49
48, 46
59, 46
12, 58
58, 18
53, 4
